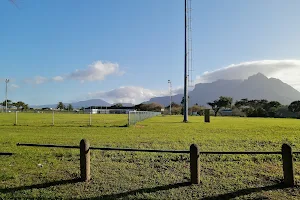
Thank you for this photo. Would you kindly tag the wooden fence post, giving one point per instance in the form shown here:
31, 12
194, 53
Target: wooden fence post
288, 169
53, 118
16, 120
85, 160
194, 164
207, 115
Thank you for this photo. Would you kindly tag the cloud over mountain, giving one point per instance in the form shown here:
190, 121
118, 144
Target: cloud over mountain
127, 94
286, 70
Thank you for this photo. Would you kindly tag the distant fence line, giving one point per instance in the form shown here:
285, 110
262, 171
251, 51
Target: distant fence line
137, 116
286, 152
133, 117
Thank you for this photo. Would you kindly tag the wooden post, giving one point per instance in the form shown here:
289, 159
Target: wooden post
288, 169
90, 123
53, 118
85, 160
128, 118
16, 120
207, 115
194, 164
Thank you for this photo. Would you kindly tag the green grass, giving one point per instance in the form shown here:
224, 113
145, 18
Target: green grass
133, 175
62, 119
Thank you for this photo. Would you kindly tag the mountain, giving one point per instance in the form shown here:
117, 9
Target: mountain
257, 86
87, 103
90, 102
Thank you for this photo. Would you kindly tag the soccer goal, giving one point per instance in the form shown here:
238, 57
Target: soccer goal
137, 116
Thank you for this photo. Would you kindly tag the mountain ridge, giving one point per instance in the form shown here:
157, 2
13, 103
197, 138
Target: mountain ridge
257, 86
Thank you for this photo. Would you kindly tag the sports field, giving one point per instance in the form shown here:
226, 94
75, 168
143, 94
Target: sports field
51, 173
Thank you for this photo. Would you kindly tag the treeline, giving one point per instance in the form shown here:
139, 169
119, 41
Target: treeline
255, 107
225, 106
19, 105
176, 109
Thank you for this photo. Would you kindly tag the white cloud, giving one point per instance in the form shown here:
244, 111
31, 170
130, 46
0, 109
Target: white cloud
58, 78
14, 86
129, 94
286, 70
37, 80
96, 71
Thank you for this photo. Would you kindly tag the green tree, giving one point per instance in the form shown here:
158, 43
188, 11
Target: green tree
294, 107
19, 104
149, 107
222, 102
258, 108
118, 105
182, 104
9, 103
70, 107
242, 103
60, 106
196, 108
25, 107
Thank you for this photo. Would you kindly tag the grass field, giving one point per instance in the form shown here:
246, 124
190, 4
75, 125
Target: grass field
62, 119
133, 175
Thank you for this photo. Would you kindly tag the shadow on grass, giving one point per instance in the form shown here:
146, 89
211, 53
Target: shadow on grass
38, 186
141, 191
6, 154
246, 191
178, 185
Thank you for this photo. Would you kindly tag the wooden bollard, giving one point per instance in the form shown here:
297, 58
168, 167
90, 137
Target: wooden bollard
85, 160
207, 115
288, 169
194, 164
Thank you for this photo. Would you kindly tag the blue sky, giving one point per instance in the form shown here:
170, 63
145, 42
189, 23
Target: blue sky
127, 50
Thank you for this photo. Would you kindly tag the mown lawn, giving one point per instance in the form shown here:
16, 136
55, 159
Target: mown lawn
62, 119
51, 173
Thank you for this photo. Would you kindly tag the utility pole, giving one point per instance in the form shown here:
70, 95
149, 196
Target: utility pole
6, 82
185, 105
170, 90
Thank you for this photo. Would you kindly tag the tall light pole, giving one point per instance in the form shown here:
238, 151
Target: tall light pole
6, 82
185, 103
170, 90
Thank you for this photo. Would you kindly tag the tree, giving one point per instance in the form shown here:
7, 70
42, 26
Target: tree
149, 107
271, 104
294, 107
118, 105
222, 102
19, 104
25, 107
198, 109
60, 105
182, 104
70, 107
9, 103
241, 103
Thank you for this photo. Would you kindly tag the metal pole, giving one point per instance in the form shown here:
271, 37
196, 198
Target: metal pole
185, 118
16, 122
170, 90
53, 118
128, 118
6, 81
90, 116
